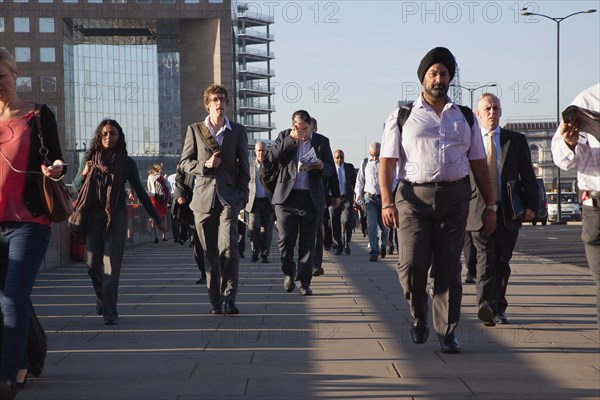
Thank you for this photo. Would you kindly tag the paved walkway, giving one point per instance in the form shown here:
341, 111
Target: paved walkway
349, 341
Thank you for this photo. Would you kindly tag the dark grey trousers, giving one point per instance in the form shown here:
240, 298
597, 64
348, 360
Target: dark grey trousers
218, 234
431, 235
590, 235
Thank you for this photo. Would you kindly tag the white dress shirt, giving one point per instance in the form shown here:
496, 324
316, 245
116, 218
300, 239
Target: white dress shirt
369, 181
586, 157
219, 134
432, 148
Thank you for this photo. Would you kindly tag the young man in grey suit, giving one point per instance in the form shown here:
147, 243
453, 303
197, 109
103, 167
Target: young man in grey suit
299, 196
260, 209
509, 159
215, 152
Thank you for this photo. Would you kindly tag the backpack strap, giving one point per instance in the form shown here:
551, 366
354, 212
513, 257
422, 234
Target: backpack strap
363, 164
403, 114
468, 114
405, 110
213, 145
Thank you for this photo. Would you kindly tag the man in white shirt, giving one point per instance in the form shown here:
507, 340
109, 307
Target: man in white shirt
435, 148
572, 148
367, 192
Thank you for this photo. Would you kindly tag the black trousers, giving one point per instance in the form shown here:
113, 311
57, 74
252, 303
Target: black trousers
297, 221
493, 264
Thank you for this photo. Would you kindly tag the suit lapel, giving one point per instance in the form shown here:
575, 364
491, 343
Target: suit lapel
504, 145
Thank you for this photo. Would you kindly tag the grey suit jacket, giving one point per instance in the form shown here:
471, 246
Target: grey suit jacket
252, 188
232, 188
515, 164
283, 151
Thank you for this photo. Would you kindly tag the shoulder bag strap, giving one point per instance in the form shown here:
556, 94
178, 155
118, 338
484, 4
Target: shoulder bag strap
214, 146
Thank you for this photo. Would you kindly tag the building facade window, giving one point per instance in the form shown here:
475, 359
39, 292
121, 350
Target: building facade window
21, 24
1, 24
24, 84
47, 25
48, 83
47, 54
22, 54
535, 153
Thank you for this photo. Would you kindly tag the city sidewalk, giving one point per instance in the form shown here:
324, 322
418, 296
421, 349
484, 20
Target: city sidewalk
350, 340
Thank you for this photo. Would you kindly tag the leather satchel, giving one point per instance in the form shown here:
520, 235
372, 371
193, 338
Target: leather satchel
77, 224
516, 201
56, 201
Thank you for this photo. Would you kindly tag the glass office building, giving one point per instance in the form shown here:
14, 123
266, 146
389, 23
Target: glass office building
143, 63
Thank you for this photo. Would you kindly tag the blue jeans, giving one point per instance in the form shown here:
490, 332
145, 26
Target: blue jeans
374, 220
23, 246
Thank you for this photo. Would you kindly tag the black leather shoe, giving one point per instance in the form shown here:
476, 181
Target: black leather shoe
216, 310
202, 280
391, 250
289, 284
419, 332
486, 314
373, 258
305, 291
318, 271
382, 252
470, 278
338, 252
231, 308
6, 392
110, 321
265, 258
502, 319
347, 248
254, 256
450, 345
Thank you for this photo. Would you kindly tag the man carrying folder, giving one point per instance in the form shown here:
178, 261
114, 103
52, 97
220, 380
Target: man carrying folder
509, 162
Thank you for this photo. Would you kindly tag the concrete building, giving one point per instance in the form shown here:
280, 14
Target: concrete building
143, 63
539, 134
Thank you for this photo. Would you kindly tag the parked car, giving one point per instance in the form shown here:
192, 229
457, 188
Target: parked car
542, 214
570, 210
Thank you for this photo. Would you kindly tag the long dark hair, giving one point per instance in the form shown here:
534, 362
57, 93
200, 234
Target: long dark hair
96, 144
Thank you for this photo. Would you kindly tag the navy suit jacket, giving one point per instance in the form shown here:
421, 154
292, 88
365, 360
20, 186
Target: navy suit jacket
284, 152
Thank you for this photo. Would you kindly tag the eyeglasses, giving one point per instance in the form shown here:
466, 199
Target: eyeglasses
218, 99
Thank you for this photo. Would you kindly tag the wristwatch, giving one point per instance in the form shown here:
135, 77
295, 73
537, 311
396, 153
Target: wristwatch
493, 207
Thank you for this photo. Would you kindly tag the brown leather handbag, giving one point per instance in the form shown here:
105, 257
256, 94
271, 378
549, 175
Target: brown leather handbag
56, 201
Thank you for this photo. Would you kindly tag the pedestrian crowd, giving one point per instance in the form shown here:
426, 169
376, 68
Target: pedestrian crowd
442, 180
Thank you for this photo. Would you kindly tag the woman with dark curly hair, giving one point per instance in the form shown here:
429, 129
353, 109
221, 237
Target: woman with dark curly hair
100, 182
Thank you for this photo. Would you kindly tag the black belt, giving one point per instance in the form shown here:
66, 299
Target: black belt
436, 184
373, 195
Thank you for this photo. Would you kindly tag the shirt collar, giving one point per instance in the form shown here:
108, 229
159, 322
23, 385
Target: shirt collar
227, 125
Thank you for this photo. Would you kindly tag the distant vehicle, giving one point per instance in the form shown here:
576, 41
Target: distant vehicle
542, 214
569, 206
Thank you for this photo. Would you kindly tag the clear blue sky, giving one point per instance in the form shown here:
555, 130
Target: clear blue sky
349, 62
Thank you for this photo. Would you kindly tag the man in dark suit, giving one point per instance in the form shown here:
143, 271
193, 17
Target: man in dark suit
324, 238
509, 159
342, 218
215, 151
182, 196
260, 209
299, 197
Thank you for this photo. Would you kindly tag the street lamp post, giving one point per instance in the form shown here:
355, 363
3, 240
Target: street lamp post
558, 20
471, 90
